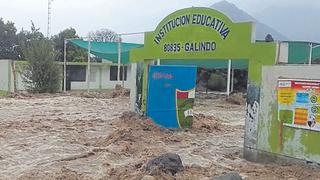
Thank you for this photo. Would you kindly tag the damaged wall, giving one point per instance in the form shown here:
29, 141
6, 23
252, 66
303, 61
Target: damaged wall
291, 142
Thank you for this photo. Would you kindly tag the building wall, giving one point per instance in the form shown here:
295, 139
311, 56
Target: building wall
6, 76
4, 73
296, 143
100, 79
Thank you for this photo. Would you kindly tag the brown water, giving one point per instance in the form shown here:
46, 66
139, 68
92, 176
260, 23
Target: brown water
73, 137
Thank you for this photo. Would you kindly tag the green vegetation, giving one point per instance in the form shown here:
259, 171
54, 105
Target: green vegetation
14, 43
41, 74
217, 82
3, 93
8, 40
75, 54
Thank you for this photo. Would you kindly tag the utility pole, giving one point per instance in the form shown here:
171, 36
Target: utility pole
310, 51
119, 58
88, 66
65, 65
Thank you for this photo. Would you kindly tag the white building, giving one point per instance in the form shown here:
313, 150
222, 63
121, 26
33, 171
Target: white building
102, 76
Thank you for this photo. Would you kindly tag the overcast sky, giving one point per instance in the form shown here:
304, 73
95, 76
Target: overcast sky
118, 15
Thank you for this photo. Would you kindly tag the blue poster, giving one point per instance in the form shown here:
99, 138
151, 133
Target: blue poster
171, 94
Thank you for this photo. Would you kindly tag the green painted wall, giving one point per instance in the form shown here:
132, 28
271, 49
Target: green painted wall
214, 64
238, 45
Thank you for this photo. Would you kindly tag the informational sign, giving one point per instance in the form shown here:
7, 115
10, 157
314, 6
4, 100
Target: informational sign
299, 103
171, 94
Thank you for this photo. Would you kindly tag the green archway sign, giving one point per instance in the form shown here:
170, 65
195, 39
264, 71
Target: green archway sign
206, 34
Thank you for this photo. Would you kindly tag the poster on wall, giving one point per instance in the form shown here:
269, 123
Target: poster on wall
299, 103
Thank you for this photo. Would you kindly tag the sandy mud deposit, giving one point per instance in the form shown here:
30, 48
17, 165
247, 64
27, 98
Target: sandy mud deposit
95, 137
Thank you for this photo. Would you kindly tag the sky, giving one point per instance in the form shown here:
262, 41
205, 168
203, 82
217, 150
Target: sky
121, 16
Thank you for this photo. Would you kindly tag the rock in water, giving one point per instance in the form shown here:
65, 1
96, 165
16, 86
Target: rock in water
167, 163
229, 176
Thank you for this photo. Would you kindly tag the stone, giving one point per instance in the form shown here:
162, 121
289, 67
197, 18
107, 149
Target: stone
229, 176
168, 163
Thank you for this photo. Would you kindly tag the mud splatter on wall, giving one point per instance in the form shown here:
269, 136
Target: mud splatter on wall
252, 116
273, 136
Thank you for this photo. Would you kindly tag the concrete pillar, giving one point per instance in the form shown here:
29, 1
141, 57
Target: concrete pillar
131, 82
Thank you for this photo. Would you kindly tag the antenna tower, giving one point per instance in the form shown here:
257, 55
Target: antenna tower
49, 19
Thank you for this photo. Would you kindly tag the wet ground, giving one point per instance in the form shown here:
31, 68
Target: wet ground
95, 137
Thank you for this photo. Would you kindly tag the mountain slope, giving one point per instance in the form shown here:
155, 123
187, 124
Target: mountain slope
298, 23
237, 15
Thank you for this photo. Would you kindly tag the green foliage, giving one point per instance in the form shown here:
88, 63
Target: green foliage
25, 37
217, 82
3, 93
103, 35
240, 80
8, 40
75, 53
42, 74
215, 79
13, 44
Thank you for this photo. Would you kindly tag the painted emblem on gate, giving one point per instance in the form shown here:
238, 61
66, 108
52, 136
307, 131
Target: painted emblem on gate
184, 107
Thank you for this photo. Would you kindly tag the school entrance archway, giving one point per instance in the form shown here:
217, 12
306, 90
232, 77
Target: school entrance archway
206, 34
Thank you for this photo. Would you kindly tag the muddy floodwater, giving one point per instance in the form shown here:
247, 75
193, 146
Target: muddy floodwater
86, 137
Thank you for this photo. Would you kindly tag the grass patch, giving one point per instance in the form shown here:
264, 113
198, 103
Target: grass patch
4, 93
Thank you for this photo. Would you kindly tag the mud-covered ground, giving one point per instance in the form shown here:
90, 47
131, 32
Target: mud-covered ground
83, 137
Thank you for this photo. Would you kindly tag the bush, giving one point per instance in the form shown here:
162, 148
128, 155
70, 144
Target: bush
217, 82
42, 74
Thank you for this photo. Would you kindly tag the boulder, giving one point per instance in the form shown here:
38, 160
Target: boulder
168, 163
228, 176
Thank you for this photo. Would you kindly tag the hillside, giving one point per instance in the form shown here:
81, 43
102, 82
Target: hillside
238, 15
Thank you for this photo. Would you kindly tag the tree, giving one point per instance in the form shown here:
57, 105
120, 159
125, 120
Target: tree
25, 37
41, 74
74, 53
8, 40
217, 82
104, 35
203, 78
269, 38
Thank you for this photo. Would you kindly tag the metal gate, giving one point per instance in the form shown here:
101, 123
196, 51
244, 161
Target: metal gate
171, 94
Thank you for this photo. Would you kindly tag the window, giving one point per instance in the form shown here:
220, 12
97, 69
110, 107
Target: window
76, 73
114, 73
